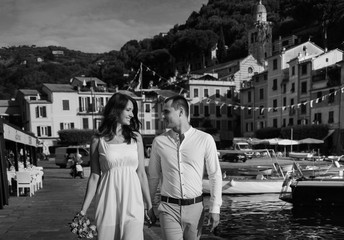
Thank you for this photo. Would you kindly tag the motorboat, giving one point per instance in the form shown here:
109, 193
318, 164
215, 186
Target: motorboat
314, 191
259, 170
301, 155
239, 185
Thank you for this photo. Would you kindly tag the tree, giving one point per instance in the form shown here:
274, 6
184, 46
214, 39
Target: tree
75, 136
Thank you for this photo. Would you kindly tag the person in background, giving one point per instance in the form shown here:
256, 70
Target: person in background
118, 178
178, 158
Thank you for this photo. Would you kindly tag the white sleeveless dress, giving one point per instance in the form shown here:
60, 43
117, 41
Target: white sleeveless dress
119, 201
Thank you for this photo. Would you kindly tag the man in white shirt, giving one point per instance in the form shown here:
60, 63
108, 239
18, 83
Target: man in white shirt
178, 158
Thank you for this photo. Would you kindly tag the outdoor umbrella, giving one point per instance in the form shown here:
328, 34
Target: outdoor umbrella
310, 141
287, 142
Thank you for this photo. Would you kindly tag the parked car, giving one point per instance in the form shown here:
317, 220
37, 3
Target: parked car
234, 156
62, 153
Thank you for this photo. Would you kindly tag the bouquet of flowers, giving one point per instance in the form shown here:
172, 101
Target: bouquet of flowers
82, 227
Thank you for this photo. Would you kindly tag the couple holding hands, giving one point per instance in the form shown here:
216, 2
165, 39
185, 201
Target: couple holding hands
178, 158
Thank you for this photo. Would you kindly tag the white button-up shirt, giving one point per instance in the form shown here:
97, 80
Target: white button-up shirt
182, 166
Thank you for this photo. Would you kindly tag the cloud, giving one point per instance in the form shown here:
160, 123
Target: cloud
87, 25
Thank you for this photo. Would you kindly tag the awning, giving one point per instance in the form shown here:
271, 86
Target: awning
330, 132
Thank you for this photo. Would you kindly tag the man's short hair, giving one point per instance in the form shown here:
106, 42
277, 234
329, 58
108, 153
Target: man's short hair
179, 101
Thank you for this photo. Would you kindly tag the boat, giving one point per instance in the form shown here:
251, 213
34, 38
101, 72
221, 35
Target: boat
247, 185
300, 155
315, 171
314, 191
259, 170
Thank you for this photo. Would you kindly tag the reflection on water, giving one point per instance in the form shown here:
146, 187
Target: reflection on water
264, 216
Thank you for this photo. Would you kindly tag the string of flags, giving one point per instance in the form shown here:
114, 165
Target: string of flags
206, 100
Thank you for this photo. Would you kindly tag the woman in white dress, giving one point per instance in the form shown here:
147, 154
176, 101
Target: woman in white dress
118, 178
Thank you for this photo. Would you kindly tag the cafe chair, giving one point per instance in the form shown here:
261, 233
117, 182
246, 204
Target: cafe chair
24, 180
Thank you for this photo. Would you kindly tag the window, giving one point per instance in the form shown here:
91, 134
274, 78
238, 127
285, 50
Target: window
249, 111
147, 107
284, 101
291, 121
293, 70
274, 105
274, 122
292, 109
229, 93
41, 112
250, 70
319, 96
218, 111
317, 118
206, 93
65, 105
206, 111
218, 124
148, 125
292, 88
304, 69
303, 108
217, 93
85, 123
261, 93
284, 88
249, 96
331, 96
274, 64
195, 92
330, 117
304, 87
284, 124
274, 84
43, 131
66, 125
229, 111
196, 110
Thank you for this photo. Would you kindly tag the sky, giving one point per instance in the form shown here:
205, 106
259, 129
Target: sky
91, 26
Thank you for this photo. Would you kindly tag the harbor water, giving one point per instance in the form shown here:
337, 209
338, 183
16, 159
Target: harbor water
264, 216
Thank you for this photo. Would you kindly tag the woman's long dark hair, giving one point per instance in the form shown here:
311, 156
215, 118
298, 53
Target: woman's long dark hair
113, 109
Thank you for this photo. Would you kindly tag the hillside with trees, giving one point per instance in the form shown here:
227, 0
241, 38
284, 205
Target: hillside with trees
220, 21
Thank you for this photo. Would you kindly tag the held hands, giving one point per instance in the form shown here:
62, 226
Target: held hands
150, 217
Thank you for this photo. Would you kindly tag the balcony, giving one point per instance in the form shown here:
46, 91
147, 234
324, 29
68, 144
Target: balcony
92, 110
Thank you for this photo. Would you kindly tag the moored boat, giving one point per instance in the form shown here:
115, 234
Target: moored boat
259, 170
247, 186
314, 191
300, 155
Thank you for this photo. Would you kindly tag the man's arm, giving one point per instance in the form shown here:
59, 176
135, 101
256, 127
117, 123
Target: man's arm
215, 181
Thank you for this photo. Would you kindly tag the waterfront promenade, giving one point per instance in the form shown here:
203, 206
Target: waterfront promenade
47, 214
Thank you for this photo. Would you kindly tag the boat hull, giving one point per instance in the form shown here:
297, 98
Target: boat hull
316, 193
247, 186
